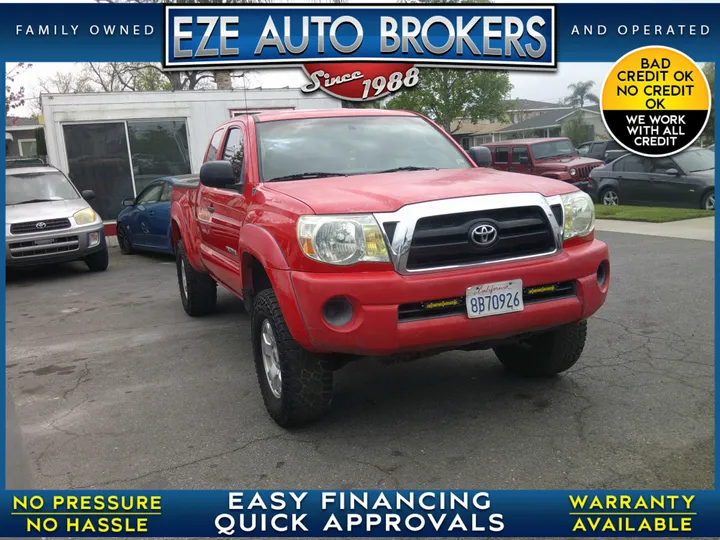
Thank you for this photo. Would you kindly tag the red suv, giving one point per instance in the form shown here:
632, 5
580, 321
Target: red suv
553, 158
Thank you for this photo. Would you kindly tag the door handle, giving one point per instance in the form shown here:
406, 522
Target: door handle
211, 209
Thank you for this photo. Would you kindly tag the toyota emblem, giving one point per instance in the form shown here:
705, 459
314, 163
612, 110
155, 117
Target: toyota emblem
40, 225
484, 235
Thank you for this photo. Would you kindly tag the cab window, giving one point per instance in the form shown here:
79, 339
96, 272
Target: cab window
214, 146
234, 152
501, 155
520, 155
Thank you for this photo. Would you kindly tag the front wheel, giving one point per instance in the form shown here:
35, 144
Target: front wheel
198, 291
296, 385
124, 241
609, 197
708, 201
546, 354
98, 261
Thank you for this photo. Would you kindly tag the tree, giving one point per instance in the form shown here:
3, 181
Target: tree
576, 128
14, 97
709, 133
450, 94
581, 93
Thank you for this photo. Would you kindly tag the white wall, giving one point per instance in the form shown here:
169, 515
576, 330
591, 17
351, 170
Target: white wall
204, 110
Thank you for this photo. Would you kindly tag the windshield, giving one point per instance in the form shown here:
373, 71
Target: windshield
352, 145
699, 159
552, 149
38, 187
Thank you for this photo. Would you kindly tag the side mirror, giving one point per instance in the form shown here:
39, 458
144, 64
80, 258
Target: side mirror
481, 156
524, 160
217, 174
88, 194
128, 202
673, 172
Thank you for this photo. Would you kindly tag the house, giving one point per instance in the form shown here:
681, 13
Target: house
550, 123
483, 131
117, 143
20, 135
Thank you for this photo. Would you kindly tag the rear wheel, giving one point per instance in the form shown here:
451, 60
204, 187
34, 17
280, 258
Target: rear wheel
708, 201
198, 291
296, 385
124, 240
546, 354
609, 197
98, 261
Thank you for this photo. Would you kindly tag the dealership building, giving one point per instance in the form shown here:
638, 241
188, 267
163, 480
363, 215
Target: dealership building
116, 143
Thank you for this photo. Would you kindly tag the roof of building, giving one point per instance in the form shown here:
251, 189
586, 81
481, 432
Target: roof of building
529, 104
547, 119
460, 127
525, 141
16, 121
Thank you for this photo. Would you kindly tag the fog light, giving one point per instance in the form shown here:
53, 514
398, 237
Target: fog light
93, 239
337, 311
602, 273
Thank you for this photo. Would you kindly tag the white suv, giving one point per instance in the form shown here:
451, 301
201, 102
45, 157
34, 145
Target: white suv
47, 220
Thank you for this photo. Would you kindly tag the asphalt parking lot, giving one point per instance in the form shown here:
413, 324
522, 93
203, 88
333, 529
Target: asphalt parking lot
117, 388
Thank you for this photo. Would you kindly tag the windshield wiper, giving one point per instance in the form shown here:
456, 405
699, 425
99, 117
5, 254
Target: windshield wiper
35, 200
408, 168
306, 175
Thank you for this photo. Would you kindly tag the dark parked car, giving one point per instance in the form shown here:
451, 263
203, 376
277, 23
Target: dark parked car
606, 151
144, 223
686, 179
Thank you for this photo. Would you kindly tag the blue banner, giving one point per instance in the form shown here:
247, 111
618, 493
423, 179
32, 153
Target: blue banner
586, 32
450, 35
374, 513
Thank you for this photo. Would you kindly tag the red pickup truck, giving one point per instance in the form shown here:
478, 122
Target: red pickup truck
363, 232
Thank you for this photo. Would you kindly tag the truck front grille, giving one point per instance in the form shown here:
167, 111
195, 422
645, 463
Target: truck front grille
456, 306
44, 247
584, 171
39, 226
445, 240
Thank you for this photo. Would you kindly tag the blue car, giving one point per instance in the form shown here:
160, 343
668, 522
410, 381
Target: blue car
144, 223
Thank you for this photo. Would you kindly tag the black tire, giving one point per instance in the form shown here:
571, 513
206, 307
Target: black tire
200, 298
306, 380
708, 200
98, 261
546, 354
607, 191
124, 241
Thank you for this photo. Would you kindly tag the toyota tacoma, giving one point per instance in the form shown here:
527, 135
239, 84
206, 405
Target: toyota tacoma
363, 232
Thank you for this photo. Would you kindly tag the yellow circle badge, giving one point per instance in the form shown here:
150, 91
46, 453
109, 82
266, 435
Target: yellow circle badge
655, 101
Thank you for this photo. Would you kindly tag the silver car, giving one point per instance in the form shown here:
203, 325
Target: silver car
47, 220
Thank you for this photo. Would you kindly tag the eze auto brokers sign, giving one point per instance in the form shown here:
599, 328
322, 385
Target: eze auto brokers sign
360, 53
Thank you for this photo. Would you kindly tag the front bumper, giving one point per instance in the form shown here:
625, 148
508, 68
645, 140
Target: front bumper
375, 328
52, 247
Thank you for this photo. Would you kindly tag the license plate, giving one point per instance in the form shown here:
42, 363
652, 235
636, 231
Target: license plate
494, 298
44, 242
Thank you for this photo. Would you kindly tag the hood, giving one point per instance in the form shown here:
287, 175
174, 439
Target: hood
390, 192
566, 162
20, 213
706, 175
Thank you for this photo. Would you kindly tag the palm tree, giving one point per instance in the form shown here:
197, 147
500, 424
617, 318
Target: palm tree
581, 93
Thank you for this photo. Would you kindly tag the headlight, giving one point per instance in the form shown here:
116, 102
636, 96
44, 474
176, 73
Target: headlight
573, 172
85, 216
579, 214
342, 240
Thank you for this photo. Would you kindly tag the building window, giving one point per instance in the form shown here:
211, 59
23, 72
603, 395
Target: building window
158, 148
98, 160
465, 142
27, 147
117, 160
